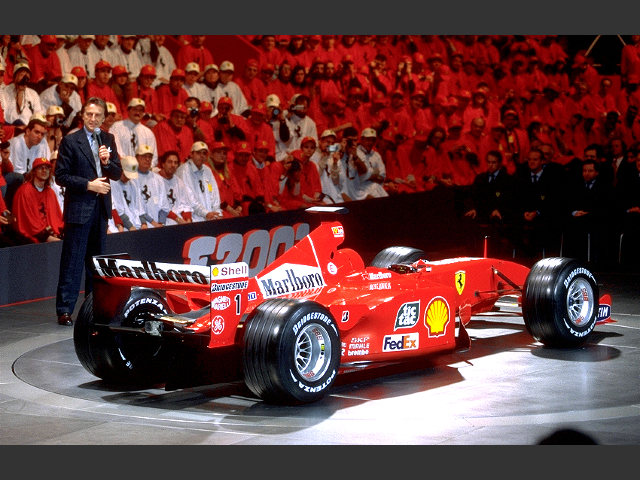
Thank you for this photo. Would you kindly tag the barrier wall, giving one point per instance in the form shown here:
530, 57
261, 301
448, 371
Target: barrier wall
426, 220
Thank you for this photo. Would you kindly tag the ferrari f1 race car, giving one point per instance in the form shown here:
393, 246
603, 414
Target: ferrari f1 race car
317, 309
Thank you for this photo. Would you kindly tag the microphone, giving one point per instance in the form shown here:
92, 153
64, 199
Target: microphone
96, 132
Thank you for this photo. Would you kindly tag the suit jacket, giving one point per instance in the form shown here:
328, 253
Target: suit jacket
75, 167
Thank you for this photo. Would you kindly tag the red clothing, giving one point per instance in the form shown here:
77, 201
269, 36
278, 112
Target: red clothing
229, 191
167, 99
167, 138
188, 53
262, 131
43, 68
35, 210
150, 97
105, 92
254, 90
249, 183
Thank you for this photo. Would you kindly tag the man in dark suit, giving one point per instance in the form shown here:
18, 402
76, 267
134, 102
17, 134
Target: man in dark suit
87, 159
590, 213
491, 206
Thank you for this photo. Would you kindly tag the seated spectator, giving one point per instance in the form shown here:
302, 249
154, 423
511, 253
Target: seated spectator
192, 84
230, 197
131, 132
100, 86
152, 190
83, 83
301, 125
228, 127
275, 117
81, 54
366, 172
38, 214
126, 54
161, 59
330, 168
250, 186
194, 51
172, 94
46, 69
55, 119
203, 187
228, 88
259, 130
64, 95
127, 210
174, 134
178, 194
143, 88
20, 102
210, 81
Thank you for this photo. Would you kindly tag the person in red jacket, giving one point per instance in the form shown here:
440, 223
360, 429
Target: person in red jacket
171, 94
230, 199
44, 63
174, 134
37, 211
99, 86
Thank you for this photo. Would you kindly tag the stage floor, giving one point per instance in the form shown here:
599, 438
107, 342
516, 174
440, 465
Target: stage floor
506, 390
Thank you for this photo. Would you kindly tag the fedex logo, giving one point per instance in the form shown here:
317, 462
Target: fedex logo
395, 343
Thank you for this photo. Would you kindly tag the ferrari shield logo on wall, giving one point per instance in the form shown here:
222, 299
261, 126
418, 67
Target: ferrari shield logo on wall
461, 277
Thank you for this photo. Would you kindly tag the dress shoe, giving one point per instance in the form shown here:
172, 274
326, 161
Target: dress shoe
65, 319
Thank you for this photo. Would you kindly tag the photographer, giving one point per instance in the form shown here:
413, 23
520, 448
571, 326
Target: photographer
332, 173
21, 102
228, 127
280, 126
55, 118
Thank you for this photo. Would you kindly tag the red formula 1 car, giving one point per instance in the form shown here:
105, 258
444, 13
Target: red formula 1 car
315, 310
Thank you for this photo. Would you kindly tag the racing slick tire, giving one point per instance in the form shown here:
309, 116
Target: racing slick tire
291, 351
131, 358
560, 302
393, 255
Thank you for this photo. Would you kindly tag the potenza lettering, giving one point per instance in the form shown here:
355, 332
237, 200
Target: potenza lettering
143, 270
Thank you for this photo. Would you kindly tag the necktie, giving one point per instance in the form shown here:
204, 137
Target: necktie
534, 179
491, 177
94, 148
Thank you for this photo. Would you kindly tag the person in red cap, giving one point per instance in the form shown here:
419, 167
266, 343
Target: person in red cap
230, 196
194, 51
375, 113
100, 85
258, 129
251, 189
35, 206
173, 133
172, 93
267, 51
200, 119
249, 82
44, 63
229, 127
121, 85
143, 88
83, 83
282, 85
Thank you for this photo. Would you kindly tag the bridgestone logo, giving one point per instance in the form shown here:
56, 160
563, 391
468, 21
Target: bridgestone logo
318, 316
165, 272
226, 287
290, 279
578, 271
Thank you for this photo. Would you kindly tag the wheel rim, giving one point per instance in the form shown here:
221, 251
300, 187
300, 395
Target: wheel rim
313, 352
580, 302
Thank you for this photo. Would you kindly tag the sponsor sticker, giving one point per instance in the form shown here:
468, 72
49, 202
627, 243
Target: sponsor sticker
331, 268
290, 279
436, 317
338, 231
461, 278
229, 270
407, 315
221, 303
217, 325
143, 270
398, 343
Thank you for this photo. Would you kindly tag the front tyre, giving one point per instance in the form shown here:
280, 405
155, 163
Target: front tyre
291, 351
560, 302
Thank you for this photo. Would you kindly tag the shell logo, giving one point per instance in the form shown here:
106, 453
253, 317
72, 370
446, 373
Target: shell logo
215, 272
436, 317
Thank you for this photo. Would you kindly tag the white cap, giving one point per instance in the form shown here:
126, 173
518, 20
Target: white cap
226, 65
368, 132
129, 166
192, 67
197, 146
69, 78
328, 133
136, 102
55, 110
272, 100
111, 108
144, 150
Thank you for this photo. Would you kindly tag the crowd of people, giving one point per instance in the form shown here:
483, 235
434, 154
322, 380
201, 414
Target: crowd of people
544, 146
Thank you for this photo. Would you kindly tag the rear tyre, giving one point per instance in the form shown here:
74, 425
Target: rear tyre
560, 302
132, 358
393, 255
291, 351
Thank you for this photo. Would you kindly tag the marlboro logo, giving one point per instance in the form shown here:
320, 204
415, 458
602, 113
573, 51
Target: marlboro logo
163, 272
290, 279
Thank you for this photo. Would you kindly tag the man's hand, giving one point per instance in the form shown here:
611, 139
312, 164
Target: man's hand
99, 185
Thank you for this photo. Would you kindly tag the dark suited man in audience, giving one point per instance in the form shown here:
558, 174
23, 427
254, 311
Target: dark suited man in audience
87, 159
491, 205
